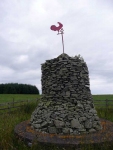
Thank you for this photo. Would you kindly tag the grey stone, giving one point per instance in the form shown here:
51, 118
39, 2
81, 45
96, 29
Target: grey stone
96, 118
76, 116
88, 124
60, 108
37, 126
52, 130
93, 111
67, 124
92, 130
63, 115
82, 119
71, 130
82, 130
39, 121
45, 123
71, 108
44, 129
47, 115
59, 124
39, 112
66, 130
67, 93
51, 123
75, 123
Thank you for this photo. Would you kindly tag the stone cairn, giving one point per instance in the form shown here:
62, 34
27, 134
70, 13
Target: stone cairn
66, 106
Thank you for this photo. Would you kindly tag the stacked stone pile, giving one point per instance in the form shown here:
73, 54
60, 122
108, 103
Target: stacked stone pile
66, 105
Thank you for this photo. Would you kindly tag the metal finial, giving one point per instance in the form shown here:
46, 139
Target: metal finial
60, 31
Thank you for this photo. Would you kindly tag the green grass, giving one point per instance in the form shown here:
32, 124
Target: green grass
103, 97
4, 98
9, 121
9, 97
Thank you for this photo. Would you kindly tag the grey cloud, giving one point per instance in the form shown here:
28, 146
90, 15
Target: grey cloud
26, 40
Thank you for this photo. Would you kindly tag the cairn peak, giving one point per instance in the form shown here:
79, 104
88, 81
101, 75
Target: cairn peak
63, 55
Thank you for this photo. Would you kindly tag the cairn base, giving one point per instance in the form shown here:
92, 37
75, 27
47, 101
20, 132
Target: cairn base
24, 132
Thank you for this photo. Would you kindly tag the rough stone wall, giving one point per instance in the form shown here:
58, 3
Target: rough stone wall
66, 106
65, 78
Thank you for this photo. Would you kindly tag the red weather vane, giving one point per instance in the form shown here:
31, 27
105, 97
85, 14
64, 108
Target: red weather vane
60, 31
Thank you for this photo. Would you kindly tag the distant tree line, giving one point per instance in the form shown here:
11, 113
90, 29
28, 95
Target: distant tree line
15, 88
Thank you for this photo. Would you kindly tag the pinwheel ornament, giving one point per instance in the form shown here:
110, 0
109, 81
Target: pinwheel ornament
60, 31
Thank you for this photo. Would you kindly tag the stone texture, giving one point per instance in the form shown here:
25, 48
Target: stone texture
75, 124
66, 105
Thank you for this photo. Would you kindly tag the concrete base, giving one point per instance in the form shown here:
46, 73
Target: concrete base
23, 131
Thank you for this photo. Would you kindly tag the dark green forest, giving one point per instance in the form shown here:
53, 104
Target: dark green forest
15, 88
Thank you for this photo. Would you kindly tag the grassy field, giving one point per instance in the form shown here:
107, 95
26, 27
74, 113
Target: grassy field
9, 121
9, 97
4, 98
103, 97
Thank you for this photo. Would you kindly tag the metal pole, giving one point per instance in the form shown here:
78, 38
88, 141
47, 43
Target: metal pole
62, 43
60, 31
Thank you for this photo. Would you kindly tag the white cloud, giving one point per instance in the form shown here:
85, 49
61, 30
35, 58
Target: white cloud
22, 59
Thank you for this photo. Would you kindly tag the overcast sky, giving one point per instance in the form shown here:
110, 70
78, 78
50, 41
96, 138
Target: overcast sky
26, 40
